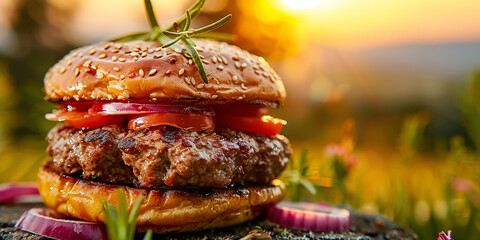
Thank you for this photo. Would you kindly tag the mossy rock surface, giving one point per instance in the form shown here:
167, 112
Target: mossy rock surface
363, 227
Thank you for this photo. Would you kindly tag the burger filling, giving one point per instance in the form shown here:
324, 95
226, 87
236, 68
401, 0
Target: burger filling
251, 118
158, 145
166, 156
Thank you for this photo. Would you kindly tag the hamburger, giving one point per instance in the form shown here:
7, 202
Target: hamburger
138, 117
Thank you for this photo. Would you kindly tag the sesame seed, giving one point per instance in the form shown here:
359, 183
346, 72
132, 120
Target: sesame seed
144, 54
121, 59
106, 46
192, 80
201, 56
243, 86
157, 56
134, 54
190, 61
205, 61
77, 71
118, 46
136, 49
265, 74
187, 80
141, 72
220, 60
235, 78
69, 63
256, 68
237, 64
152, 72
220, 67
127, 51
224, 60
114, 58
168, 72
151, 50
99, 75
180, 73
214, 96
158, 49
122, 76
92, 52
63, 70
132, 75
135, 58
102, 56
145, 49
257, 72
199, 49
177, 50
260, 66
116, 69
244, 65
87, 62
200, 86
214, 59
272, 79
235, 58
115, 51
215, 87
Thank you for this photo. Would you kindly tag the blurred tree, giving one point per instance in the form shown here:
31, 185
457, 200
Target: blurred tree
38, 43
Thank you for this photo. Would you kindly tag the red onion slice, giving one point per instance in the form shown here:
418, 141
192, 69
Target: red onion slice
309, 216
11, 192
137, 108
38, 221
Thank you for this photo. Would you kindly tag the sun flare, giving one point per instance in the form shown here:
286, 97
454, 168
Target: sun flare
305, 4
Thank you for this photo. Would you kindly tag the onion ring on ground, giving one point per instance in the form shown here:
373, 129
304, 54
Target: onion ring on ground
309, 216
43, 222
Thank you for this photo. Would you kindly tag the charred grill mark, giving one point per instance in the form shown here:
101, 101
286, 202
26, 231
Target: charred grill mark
127, 145
100, 137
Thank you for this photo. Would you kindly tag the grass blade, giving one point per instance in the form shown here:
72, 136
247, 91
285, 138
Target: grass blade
132, 220
148, 235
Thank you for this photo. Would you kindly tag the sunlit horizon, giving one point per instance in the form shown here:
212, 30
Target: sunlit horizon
343, 24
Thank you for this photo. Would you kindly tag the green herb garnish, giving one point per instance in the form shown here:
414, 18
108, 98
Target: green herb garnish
297, 177
120, 223
179, 31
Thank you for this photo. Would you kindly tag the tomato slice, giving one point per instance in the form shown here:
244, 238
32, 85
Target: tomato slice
85, 120
188, 121
265, 125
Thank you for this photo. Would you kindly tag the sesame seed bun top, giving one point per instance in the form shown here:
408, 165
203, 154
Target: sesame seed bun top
140, 70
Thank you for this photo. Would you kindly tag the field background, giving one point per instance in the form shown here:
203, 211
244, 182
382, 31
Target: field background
383, 96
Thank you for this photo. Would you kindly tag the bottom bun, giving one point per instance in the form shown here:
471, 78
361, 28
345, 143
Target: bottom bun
162, 210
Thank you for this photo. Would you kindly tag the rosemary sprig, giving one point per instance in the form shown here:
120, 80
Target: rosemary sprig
120, 223
297, 177
180, 31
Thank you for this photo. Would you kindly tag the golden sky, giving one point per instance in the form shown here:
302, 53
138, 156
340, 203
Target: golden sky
358, 23
339, 23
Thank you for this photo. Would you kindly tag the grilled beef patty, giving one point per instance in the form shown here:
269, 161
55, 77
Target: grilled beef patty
167, 156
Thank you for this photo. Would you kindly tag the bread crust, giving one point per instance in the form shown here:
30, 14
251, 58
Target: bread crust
140, 70
162, 210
